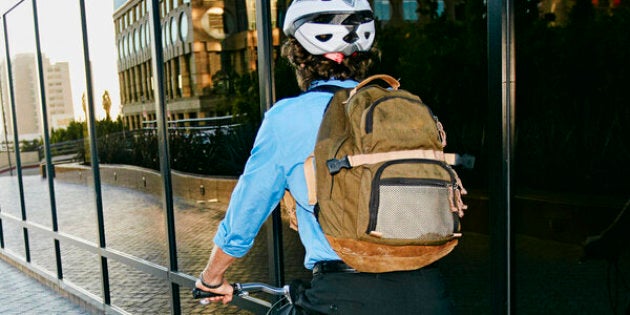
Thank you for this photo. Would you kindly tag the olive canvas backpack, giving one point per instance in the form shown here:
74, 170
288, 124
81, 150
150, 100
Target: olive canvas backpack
384, 192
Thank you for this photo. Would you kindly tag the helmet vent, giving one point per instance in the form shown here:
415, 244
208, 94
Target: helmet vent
367, 35
324, 37
351, 37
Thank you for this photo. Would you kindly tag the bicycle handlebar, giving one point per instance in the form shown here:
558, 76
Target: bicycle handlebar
242, 289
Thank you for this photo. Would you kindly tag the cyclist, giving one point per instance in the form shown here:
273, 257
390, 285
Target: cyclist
329, 43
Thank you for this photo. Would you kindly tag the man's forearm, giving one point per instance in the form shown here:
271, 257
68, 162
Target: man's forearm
218, 263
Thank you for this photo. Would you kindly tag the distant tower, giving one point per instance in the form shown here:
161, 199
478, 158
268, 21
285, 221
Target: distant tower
58, 94
58, 90
26, 97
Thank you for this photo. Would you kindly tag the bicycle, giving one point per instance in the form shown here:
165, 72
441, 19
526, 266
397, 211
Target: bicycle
244, 299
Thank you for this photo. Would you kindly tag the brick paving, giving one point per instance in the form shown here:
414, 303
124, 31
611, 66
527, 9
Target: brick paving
21, 294
550, 278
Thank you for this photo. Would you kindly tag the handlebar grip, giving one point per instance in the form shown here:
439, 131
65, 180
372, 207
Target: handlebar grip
201, 294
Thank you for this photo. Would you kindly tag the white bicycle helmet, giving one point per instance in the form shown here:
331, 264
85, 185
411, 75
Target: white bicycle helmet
331, 26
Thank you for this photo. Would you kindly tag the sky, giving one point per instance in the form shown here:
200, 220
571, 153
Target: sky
61, 41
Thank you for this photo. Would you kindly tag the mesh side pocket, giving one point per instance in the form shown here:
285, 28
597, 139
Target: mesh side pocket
414, 212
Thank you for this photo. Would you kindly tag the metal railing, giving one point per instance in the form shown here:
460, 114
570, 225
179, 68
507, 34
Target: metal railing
63, 152
50, 154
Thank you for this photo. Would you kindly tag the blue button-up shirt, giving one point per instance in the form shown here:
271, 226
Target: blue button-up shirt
285, 139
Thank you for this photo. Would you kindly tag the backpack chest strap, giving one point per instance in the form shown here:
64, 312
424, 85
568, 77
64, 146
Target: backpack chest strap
335, 165
373, 158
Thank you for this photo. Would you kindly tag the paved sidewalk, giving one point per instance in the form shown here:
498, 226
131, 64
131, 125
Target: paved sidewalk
549, 277
550, 280
21, 294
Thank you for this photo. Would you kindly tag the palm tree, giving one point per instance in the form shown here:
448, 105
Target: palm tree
107, 105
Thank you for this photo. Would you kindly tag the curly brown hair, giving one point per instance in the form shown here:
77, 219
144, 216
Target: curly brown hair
309, 68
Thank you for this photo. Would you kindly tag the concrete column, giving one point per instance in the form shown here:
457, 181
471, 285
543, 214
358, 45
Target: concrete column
167, 75
127, 86
148, 72
143, 81
137, 82
200, 69
121, 79
132, 84
184, 70
215, 63
173, 78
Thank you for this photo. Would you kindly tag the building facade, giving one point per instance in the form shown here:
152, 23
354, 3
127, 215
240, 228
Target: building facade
200, 39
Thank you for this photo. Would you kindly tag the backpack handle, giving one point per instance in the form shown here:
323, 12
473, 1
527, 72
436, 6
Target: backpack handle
387, 78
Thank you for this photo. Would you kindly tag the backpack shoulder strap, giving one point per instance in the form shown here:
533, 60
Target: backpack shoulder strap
326, 88
309, 163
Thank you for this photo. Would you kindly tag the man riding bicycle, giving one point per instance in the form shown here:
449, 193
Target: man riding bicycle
330, 42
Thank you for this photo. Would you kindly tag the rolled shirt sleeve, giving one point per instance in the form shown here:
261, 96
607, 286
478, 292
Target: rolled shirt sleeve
257, 193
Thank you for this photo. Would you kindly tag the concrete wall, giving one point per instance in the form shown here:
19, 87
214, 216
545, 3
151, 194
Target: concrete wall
194, 188
27, 159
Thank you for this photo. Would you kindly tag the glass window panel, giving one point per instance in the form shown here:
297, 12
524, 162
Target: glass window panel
9, 194
147, 35
142, 40
66, 102
173, 30
136, 40
183, 26
155, 292
21, 42
167, 33
131, 183
82, 268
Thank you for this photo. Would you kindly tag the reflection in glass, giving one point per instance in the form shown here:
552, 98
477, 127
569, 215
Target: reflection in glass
174, 30
142, 40
183, 26
21, 42
129, 44
166, 32
147, 35
132, 196
136, 40
26, 92
124, 41
9, 201
66, 104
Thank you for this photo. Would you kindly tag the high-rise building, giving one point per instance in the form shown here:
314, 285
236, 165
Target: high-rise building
58, 94
59, 104
200, 38
26, 97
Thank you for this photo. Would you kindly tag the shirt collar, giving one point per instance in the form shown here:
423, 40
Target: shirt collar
341, 83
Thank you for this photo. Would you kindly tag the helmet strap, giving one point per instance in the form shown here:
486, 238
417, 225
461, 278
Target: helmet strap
335, 56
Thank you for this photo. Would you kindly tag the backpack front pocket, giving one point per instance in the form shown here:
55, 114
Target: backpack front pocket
412, 200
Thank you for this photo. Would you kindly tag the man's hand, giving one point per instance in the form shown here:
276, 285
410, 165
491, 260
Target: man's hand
213, 274
225, 292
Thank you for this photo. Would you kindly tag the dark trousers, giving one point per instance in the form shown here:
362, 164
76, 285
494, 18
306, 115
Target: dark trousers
421, 291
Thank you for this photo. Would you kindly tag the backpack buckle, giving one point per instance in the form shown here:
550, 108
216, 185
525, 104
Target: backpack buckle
335, 165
